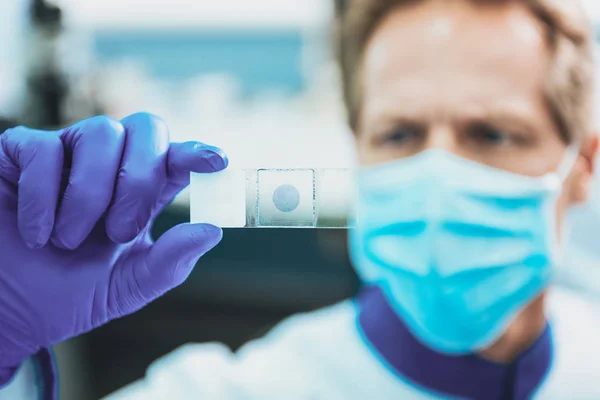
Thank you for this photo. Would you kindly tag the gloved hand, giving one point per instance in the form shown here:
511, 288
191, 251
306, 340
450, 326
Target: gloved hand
76, 207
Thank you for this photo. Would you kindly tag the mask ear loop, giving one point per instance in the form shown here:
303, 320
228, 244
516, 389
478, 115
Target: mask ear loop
568, 161
562, 237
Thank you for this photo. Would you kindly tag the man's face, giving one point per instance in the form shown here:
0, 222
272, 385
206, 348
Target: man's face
465, 78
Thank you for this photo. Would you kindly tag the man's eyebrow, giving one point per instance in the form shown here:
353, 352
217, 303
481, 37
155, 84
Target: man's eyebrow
390, 116
508, 117
512, 117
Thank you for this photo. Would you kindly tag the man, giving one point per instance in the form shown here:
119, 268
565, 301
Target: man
473, 126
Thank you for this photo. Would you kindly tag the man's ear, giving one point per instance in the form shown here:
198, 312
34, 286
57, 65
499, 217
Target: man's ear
583, 171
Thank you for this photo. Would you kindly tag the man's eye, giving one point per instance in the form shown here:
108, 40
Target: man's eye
402, 136
489, 135
398, 136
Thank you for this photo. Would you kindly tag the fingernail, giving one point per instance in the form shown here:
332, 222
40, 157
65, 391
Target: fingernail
216, 162
207, 237
41, 239
62, 244
32, 238
68, 234
34, 245
215, 156
37, 236
212, 230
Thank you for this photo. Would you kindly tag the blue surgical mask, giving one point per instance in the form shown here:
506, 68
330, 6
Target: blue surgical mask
458, 247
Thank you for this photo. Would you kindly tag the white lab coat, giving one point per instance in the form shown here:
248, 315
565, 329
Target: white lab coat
321, 355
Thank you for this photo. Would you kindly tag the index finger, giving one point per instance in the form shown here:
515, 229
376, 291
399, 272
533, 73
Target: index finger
187, 157
184, 158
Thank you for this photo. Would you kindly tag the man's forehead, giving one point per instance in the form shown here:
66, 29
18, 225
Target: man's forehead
440, 41
437, 25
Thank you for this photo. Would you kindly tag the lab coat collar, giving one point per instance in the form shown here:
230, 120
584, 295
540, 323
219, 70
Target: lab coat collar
467, 376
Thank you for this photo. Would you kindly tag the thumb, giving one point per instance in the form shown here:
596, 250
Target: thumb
163, 266
175, 253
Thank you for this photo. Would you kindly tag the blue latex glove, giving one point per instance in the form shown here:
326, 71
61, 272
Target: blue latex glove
76, 207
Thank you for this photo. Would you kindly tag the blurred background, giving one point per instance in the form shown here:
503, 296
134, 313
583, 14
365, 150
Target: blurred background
256, 77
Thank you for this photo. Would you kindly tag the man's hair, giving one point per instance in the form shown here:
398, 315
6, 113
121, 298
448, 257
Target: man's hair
570, 82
